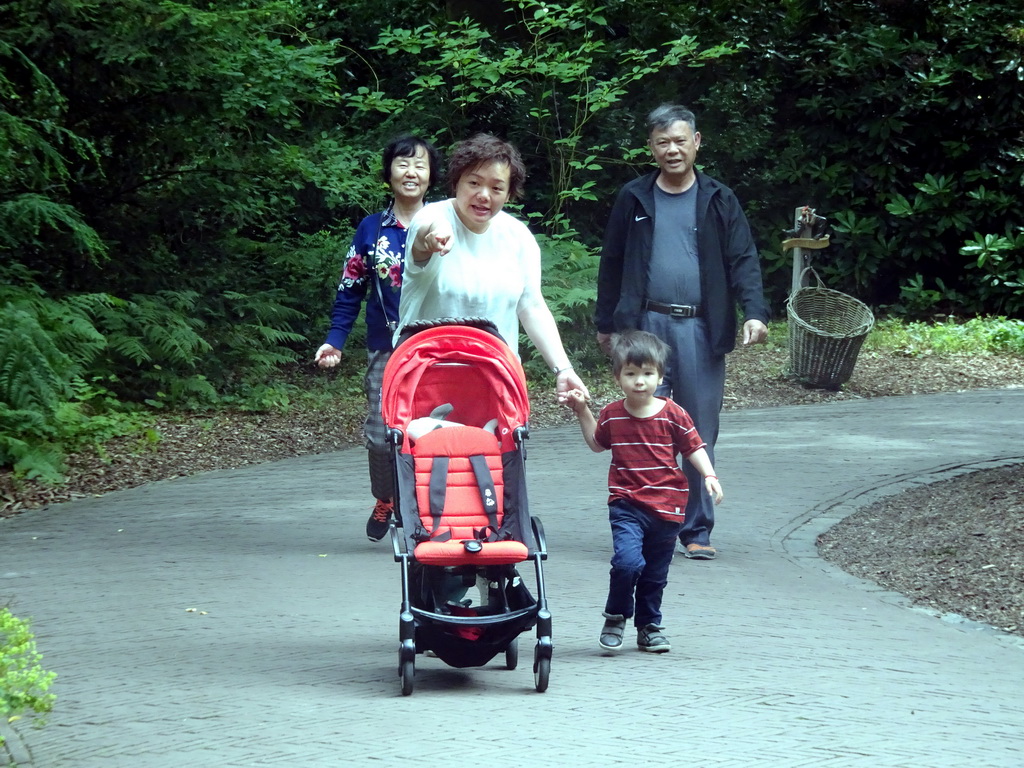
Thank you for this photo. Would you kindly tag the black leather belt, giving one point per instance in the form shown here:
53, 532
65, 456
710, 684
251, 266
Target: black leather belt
675, 310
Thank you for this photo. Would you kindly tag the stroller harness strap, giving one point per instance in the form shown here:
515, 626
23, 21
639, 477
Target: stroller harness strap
438, 493
459, 492
485, 482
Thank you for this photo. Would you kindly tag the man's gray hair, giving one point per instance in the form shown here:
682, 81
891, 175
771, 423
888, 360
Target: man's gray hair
662, 117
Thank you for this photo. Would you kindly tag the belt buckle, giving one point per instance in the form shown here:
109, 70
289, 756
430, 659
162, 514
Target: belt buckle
681, 310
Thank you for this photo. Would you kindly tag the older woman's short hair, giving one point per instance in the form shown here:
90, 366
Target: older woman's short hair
485, 148
408, 145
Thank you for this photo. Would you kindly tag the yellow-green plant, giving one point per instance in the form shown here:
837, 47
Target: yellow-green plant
23, 682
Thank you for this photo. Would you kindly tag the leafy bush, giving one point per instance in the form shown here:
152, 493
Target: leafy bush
23, 682
177, 187
569, 278
547, 76
906, 131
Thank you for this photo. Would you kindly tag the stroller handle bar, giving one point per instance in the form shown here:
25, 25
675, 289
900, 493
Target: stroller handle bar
483, 323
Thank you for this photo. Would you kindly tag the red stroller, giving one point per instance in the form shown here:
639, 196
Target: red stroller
455, 402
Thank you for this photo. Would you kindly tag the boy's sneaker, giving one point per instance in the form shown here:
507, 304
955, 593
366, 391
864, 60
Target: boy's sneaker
651, 639
611, 632
380, 519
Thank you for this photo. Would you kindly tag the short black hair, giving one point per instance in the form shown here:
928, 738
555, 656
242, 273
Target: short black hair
407, 145
638, 348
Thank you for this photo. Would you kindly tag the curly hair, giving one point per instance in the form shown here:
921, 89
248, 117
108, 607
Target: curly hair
485, 148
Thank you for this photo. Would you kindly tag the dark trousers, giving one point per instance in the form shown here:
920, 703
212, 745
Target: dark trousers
382, 483
695, 379
644, 545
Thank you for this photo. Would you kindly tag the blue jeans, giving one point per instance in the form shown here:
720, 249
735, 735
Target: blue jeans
644, 545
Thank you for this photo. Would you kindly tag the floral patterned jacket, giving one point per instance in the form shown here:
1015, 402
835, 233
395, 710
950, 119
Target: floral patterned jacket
374, 260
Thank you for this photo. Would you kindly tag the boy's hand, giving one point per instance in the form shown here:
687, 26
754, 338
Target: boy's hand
575, 399
569, 381
714, 488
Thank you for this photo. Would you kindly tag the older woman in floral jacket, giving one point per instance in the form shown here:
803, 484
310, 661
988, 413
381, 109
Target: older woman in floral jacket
373, 272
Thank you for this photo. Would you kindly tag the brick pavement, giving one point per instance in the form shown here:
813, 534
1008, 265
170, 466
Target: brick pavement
289, 658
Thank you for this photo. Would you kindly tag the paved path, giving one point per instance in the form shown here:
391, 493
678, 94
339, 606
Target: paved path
290, 656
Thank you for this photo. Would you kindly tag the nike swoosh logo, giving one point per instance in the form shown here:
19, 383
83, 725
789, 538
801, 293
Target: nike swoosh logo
640, 218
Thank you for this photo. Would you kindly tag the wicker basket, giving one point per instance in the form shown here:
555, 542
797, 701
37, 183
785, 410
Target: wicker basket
826, 331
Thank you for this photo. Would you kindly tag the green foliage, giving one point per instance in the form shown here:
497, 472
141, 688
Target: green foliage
35, 152
35, 378
27, 219
552, 81
976, 336
907, 133
23, 682
181, 349
1000, 259
47, 349
569, 276
179, 181
917, 299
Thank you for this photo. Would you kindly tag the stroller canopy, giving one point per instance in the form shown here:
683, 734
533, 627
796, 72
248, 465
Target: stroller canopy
466, 367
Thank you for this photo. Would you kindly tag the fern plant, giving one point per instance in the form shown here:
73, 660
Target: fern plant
256, 341
47, 348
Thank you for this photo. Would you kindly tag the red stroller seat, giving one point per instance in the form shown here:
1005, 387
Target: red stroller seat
461, 499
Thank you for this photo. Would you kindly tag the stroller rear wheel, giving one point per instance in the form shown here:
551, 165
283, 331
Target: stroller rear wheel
512, 654
408, 673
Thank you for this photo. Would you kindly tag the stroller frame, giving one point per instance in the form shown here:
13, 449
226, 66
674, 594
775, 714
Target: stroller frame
426, 622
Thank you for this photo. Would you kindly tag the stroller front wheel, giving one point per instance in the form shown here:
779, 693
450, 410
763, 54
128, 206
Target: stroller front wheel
541, 669
408, 672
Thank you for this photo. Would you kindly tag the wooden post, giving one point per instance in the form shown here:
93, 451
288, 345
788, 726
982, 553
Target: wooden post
803, 229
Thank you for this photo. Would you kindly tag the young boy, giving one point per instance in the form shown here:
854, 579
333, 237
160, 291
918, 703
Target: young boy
647, 487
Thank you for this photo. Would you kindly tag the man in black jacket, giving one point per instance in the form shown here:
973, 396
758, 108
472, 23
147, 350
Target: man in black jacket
678, 258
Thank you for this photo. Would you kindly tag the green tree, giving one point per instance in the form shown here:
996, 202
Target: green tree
908, 131
552, 82
171, 148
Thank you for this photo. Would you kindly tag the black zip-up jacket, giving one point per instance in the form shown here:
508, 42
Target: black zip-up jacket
730, 270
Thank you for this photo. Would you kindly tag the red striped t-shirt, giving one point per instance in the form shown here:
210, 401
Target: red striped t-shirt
644, 469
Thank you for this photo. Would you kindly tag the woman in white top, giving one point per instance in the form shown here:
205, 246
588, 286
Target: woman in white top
466, 257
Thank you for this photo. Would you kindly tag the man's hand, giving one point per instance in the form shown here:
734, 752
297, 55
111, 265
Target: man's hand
327, 356
754, 332
604, 341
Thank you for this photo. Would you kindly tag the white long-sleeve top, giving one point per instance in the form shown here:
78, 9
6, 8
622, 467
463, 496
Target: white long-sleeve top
492, 275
